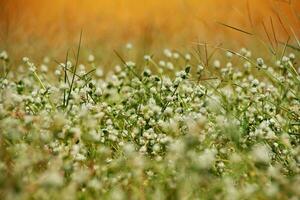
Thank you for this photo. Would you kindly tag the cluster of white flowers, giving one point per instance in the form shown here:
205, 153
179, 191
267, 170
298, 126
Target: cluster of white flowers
3, 55
176, 128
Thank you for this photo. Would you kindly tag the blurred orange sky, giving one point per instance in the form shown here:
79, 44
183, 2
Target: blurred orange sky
57, 23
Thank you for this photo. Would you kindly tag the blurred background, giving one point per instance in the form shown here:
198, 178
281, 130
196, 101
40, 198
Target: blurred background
36, 27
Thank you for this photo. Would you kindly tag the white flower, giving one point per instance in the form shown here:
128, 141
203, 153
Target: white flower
260, 62
99, 72
143, 149
153, 90
261, 153
57, 72
229, 65
248, 54
91, 58
147, 57
44, 68
46, 59
188, 56
200, 68
168, 111
176, 55
63, 86
25, 59
129, 46
130, 64
32, 68
118, 68
292, 56
3, 55
168, 53
207, 158
80, 157
81, 67
243, 51
52, 179
94, 184
162, 63
170, 66
285, 59
229, 54
247, 65
217, 64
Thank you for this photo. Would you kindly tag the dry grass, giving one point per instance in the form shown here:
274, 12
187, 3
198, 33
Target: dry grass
151, 24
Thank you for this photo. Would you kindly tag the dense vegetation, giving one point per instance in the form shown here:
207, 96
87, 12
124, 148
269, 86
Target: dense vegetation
170, 128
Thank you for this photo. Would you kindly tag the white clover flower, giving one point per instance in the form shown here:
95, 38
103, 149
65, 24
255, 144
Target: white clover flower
273, 171
250, 189
271, 190
25, 59
200, 68
229, 54
46, 59
261, 153
80, 157
207, 158
162, 63
147, 72
5, 82
180, 74
229, 65
168, 53
147, 57
128, 148
278, 63
235, 158
260, 62
32, 68
255, 82
81, 67
176, 55
156, 148
247, 65
112, 137
188, 56
44, 68
80, 176
243, 51
69, 64
118, 68
81, 72
292, 56
285, 59
3, 55
94, 184
52, 179
57, 72
153, 90
99, 72
143, 149
216, 64
91, 58
76, 132
130, 64
248, 54
170, 66
129, 46
168, 111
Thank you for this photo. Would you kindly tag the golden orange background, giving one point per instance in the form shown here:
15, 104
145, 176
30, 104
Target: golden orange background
33, 26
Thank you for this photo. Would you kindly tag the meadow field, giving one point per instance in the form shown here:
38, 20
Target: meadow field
128, 99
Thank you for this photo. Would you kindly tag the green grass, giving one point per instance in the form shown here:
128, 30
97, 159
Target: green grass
176, 126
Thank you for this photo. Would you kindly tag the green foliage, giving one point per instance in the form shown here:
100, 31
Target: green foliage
170, 129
